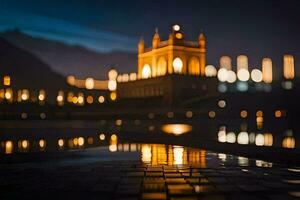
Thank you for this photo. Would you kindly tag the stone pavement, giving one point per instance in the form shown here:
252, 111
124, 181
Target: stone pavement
220, 177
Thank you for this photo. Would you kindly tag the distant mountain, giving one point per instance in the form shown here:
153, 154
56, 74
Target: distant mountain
29, 72
70, 59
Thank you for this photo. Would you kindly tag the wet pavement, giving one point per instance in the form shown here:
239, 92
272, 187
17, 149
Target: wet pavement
147, 171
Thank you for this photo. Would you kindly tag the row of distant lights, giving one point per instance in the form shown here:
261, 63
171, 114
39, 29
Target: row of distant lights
259, 139
75, 142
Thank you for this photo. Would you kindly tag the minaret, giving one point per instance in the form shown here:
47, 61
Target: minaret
141, 46
141, 50
156, 39
202, 47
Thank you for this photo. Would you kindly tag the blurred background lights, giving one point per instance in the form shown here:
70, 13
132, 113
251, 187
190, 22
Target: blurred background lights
242, 62
231, 76
288, 67
225, 62
267, 70
112, 74
222, 103
89, 83
256, 75
210, 71
230, 137
243, 138
243, 75
222, 74
112, 85
101, 99
176, 27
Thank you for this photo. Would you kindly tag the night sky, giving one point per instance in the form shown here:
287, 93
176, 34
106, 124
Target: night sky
257, 28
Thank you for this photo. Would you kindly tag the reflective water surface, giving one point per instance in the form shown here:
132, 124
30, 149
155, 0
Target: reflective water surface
104, 167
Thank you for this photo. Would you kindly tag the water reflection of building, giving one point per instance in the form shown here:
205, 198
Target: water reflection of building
172, 155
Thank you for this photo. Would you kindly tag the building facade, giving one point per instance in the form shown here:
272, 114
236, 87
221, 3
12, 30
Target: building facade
175, 55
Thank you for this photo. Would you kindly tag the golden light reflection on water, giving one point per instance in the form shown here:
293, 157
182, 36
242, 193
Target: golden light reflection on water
157, 154
176, 129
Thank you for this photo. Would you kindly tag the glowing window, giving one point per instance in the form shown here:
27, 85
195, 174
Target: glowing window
146, 71
177, 65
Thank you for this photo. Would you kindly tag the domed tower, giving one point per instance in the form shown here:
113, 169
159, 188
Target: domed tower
156, 39
202, 47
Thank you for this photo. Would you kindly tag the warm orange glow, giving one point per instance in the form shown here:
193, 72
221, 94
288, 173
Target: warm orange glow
267, 70
60, 98
278, 114
25, 95
112, 74
288, 67
146, 153
194, 66
189, 114
42, 95
119, 122
225, 62
268, 139
8, 94
242, 63
80, 98
80, 141
289, 142
222, 103
25, 144
6, 80
9, 147
244, 113
101, 99
102, 136
178, 155
113, 96
113, 137
42, 143
132, 76
179, 35
75, 141
71, 80
176, 129
60, 143
89, 83
212, 114
259, 113
89, 99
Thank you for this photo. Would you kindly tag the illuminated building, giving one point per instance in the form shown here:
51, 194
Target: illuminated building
170, 71
175, 55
